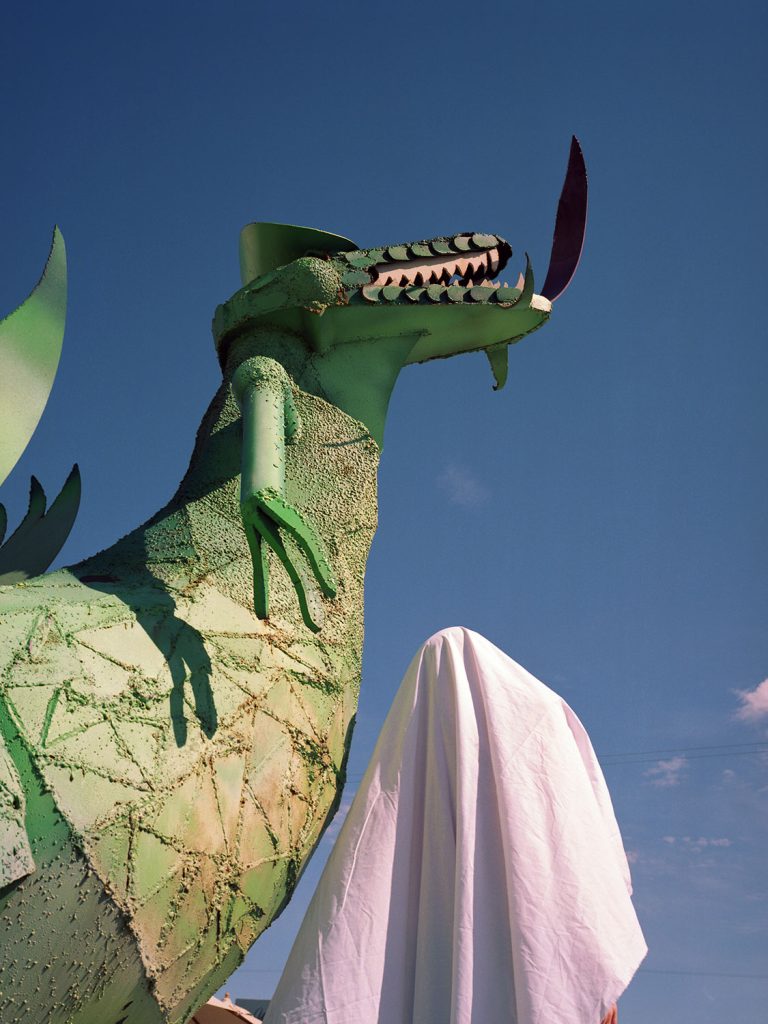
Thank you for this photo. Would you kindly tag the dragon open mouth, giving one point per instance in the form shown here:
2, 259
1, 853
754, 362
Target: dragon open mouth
474, 260
460, 268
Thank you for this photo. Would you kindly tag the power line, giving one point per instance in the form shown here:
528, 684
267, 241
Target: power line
256, 970
685, 750
641, 970
687, 757
701, 974
640, 756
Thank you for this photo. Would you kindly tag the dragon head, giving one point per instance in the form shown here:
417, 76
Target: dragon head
318, 313
360, 309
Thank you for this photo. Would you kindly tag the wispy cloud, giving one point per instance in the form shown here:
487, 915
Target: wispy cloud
667, 773
754, 703
462, 487
696, 845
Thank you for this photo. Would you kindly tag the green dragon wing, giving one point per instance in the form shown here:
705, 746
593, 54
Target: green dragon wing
30, 347
40, 535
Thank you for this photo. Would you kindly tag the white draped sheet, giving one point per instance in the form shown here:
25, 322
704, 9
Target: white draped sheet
480, 874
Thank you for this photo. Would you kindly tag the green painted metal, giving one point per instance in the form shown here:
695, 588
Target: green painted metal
498, 357
262, 390
357, 336
263, 247
30, 346
40, 536
176, 711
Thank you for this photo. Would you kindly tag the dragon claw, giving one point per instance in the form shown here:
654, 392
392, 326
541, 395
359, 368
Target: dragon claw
265, 514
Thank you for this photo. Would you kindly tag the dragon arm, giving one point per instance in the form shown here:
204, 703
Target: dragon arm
270, 418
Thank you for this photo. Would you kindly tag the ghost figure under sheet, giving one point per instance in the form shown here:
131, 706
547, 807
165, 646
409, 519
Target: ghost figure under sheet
480, 874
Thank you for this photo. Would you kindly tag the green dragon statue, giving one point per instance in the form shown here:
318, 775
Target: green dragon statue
176, 711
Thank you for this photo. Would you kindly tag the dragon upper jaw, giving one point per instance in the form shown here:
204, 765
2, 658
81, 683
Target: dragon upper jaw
327, 271
441, 269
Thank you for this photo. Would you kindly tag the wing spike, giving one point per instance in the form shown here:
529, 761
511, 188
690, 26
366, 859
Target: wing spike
40, 536
30, 346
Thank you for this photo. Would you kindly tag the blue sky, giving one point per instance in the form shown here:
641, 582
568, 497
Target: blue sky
602, 518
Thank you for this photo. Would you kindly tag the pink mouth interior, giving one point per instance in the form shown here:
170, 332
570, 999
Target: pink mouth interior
475, 269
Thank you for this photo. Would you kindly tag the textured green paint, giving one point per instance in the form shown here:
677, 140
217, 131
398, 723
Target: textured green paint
193, 751
262, 389
62, 945
176, 755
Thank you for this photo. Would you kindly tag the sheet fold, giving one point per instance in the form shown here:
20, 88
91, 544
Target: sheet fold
480, 874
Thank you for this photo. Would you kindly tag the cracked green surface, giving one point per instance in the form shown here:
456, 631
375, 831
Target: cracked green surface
189, 752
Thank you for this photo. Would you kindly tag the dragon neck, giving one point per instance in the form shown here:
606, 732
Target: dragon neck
200, 531
180, 542
355, 370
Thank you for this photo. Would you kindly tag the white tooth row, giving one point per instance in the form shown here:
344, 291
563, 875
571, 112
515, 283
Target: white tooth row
440, 269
